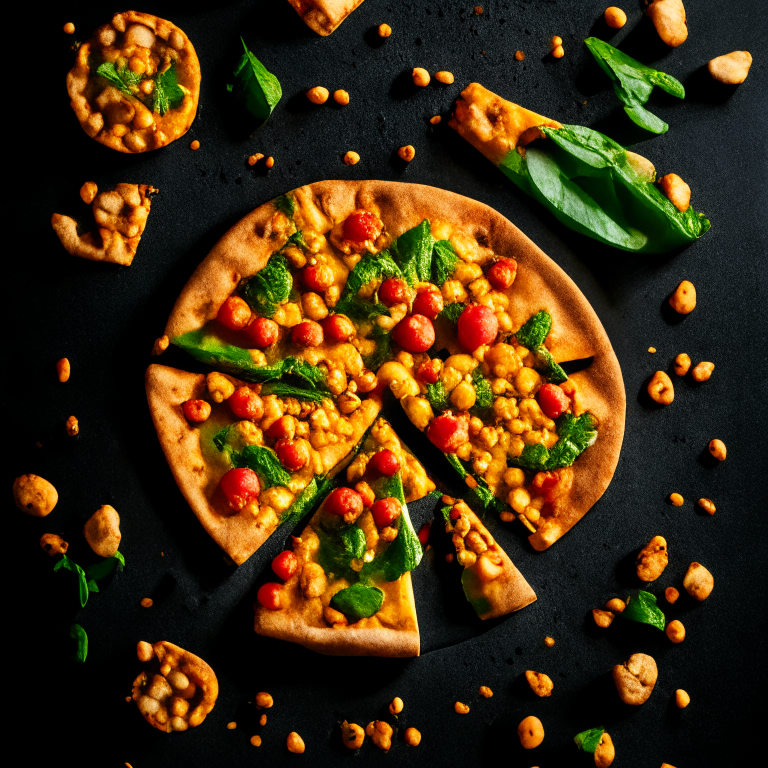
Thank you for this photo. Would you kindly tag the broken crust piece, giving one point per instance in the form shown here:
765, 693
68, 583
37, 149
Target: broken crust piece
492, 584
323, 16
493, 125
178, 691
121, 216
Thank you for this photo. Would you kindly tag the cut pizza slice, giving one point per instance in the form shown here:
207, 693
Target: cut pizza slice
323, 16
248, 457
347, 589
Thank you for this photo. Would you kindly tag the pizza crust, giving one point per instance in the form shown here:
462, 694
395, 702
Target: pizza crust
323, 16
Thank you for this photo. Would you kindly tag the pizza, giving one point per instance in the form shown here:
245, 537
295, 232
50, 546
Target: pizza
323, 16
136, 83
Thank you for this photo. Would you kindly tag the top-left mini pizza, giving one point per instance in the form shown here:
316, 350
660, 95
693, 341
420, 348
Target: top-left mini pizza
136, 83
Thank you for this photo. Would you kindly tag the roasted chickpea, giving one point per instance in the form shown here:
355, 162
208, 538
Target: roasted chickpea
698, 582
717, 449
444, 77
396, 706
731, 68
53, 544
420, 77
671, 595
540, 683
602, 618
264, 700
351, 158
683, 300
682, 699
675, 631
531, 732
708, 506
341, 98
682, 364
412, 737
660, 388
318, 94
384, 30
668, 16
295, 743
63, 370
605, 752
485, 692
34, 495
636, 678
653, 559
615, 17
352, 735
380, 733
102, 531
616, 605
460, 708
676, 499
702, 371
407, 153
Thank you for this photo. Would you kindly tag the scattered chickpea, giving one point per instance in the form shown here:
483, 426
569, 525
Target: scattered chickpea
160, 345
444, 77
660, 388
682, 699
341, 97
72, 426
231, 726
102, 531
407, 153
256, 740
540, 683
384, 30
668, 16
603, 619
396, 706
507, 516
147, 602
615, 17
352, 735
519, 55
671, 595
652, 559
351, 158
708, 506
558, 52
264, 700
678, 192
682, 364
549, 641
436, 120
69, 28
263, 720
478, 10
485, 692
412, 737
683, 300
698, 582
253, 159
460, 709
676, 499
270, 162
295, 743
702, 371
605, 752
53, 544
318, 94
557, 40
144, 651
616, 605
380, 733
531, 732
420, 77
34, 495
63, 370
675, 631
195, 144
717, 449
652, 350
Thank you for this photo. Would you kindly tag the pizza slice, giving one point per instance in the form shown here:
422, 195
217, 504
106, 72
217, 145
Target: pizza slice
249, 456
323, 16
347, 584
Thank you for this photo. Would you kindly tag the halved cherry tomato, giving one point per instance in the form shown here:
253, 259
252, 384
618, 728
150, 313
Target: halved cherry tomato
263, 332
240, 486
477, 326
393, 291
285, 565
338, 327
423, 533
386, 511
455, 513
414, 333
293, 454
362, 225
429, 370
553, 484
307, 334
502, 274
553, 401
234, 313
317, 277
385, 462
429, 303
269, 595
246, 404
344, 501
196, 410
283, 428
448, 433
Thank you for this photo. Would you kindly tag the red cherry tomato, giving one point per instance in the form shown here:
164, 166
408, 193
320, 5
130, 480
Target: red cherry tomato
196, 410
386, 511
448, 433
293, 454
234, 313
553, 401
283, 428
318, 277
477, 326
424, 533
393, 291
269, 595
362, 225
429, 370
338, 327
246, 404
307, 334
385, 462
551, 485
429, 303
285, 565
415, 333
344, 501
455, 513
240, 486
502, 274
263, 332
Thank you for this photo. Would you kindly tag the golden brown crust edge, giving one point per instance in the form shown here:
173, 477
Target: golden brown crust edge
323, 16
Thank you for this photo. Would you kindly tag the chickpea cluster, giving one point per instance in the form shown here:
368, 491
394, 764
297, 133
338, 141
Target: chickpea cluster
475, 547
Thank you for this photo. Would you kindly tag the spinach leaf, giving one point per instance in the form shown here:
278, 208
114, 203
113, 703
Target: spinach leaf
285, 204
576, 434
446, 512
392, 487
552, 371
257, 89
358, 601
69, 565
437, 396
270, 286
264, 462
78, 634
122, 78
305, 502
103, 569
455, 462
533, 457
339, 547
483, 391
534, 330
287, 390
360, 309
291, 366
220, 438
372, 266
412, 252
633, 83
452, 312
167, 93
481, 497
643, 609
469, 583
588, 741
383, 349
444, 261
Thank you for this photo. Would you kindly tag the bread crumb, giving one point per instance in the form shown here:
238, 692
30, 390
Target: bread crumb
652, 350
231, 726
195, 144
519, 55
147, 602
549, 641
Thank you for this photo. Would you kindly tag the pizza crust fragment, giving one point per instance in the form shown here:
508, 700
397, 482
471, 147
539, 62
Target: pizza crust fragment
323, 16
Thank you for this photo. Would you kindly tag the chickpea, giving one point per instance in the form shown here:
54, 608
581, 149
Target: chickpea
406, 153
318, 94
384, 30
653, 559
556, 40
676, 499
466, 558
717, 449
615, 17
69, 28
270, 162
143, 119
682, 699
144, 651
682, 364
660, 388
351, 158
194, 145
549, 641
540, 683
519, 499
732, 68
636, 678
436, 120
256, 740
420, 77
34, 495
707, 505
231, 726
412, 737
702, 371
558, 52
485, 692
460, 709
527, 380
341, 98
698, 582
72, 426
314, 306
616, 605
264, 700
668, 16
313, 580
295, 743
352, 735
380, 733
253, 159
605, 752
514, 477
531, 732
63, 370
102, 531
683, 300
396, 706
160, 345
147, 602
263, 720
602, 618
671, 595
675, 631
489, 567
444, 77
519, 56
464, 396
53, 544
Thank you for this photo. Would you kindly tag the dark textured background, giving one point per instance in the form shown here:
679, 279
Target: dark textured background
105, 318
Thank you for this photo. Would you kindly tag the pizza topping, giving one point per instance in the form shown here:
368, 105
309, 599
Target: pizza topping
293, 454
477, 325
385, 462
429, 370
393, 291
448, 432
317, 277
307, 334
531, 732
339, 328
635, 678
358, 601
428, 302
245, 403
196, 411
270, 596
385, 512
362, 226
553, 401
344, 502
234, 313
285, 565
240, 486
415, 333
352, 735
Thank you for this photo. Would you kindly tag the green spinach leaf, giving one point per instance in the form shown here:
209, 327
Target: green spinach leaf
372, 266
69, 565
383, 349
643, 609
534, 457
287, 390
220, 438
270, 286
358, 601
264, 462
588, 741
552, 371
446, 513
167, 93
534, 330
319, 487
104, 568
78, 634
437, 396
483, 391
412, 252
339, 547
257, 89
576, 434
122, 78
452, 312
444, 261
285, 204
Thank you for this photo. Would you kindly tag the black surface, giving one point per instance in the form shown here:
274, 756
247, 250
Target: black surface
105, 318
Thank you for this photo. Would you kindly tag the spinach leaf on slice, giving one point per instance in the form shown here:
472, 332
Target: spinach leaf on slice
264, 462
319, 487
78, 634
167, 93
220, 438
382, 351
339, 547
254, 86
437, 396
444, 261
534, 330
69, 565
287, 390
358, 601
446, 513
455, 462
357, 308
452, 312
533, 457
483, 391
576, 434
285, 204
372, 266
270, 286
392, 487
552, 371
484, 498
412, 252
643, 609
588, 741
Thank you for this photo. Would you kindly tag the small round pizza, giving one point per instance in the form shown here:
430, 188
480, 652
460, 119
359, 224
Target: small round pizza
136, 83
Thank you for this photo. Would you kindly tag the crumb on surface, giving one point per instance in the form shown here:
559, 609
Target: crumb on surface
519, 56
384, 30
652, 350
195, 144
269, 162
435, 120
147, 602
253, 159
256, 740
549, 641
351, 158
231, 726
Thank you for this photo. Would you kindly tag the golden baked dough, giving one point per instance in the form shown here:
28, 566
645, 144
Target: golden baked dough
323, 16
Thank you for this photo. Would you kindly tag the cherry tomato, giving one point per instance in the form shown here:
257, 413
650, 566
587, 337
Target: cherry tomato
344, 501
429, 303
263, 332
285, 565
455, 513
385, 462
234, 313
246, 404
415, 333
551, 485
240, 486
553, 401
502, 274
317, 278
269, 595
477, 326
307, 334
386, 511
196, 410
448, 433
424, 533
361, 226
393, 291
293, 454
338, 327
283, 428
429, 370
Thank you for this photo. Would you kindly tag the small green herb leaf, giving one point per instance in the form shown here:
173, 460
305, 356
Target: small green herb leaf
443, 261
285, 204
319, 486
533, 457
643, 609
412, 252
116, 77
534, 330
167, 93
588, 741
78, 634
446, 512
264, 462
257, 89
383, 349
552, 371
437, 396
69, 565
270, 286
339, 546
220, 438
452, 312
576, 434
287, 390
372, 266
358, 601
483, 391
